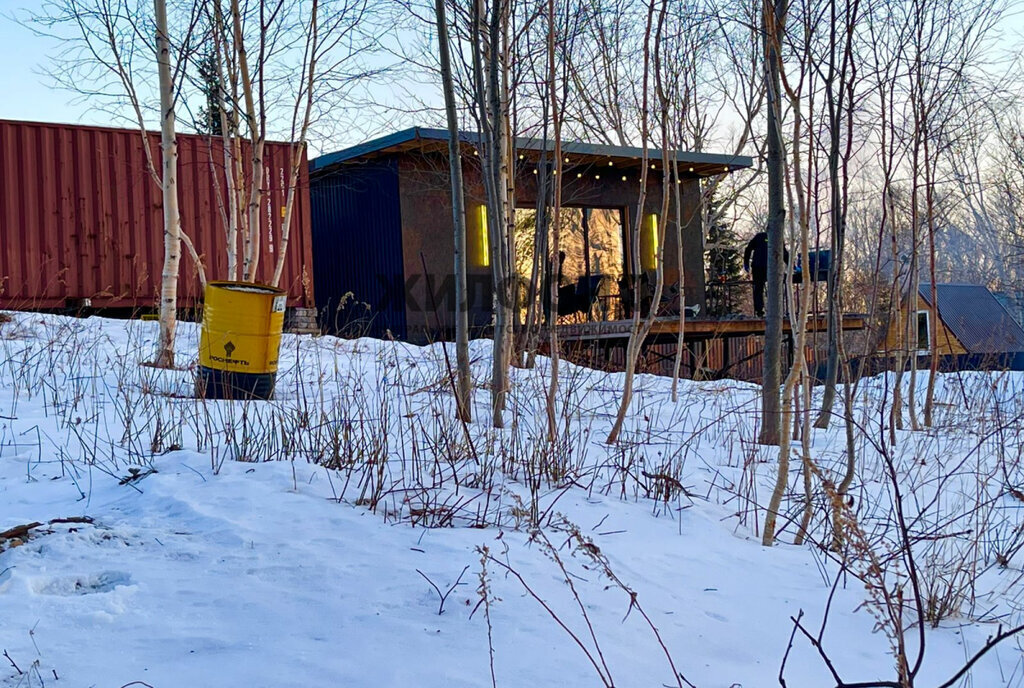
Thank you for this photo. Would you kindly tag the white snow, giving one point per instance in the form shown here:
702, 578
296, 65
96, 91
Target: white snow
281, 543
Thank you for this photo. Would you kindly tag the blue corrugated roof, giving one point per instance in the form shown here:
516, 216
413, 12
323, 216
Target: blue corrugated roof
976, 318
733, 162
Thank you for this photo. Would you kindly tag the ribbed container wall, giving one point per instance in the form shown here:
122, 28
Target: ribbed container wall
357, 232
82, 218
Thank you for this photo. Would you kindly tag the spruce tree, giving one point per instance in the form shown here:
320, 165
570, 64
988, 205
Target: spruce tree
724, 291
209, 85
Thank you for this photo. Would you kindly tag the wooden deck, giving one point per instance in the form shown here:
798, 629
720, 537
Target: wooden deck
696, 329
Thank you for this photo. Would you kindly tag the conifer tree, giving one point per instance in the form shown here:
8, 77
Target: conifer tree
724, 275
209, 121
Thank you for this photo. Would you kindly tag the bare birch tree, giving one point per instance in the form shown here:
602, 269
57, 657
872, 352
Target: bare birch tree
642, 322
959, 37
556, 215
107, 46
840, 82
489, 27
279, 60
169, 187
800, 216
464, 386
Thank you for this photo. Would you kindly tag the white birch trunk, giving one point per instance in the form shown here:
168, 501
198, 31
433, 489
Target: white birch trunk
169, 185
253, 235
289, 206
464, 386
681, 337
229, 136
556, 221
641, 327
298, 148
252, 240
231, 229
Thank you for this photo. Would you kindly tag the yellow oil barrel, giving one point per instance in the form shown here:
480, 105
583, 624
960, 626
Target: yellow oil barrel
240, 340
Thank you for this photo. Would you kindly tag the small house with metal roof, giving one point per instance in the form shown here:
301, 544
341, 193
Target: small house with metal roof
383, 240
974, 330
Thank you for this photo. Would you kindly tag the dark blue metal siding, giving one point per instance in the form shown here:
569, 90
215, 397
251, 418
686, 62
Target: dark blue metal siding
357, 250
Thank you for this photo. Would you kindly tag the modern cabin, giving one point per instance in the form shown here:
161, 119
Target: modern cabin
384, 243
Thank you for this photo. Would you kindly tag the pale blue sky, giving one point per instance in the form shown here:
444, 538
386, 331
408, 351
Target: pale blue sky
28, 93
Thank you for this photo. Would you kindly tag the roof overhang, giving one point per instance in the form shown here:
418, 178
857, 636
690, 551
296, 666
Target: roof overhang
423, 140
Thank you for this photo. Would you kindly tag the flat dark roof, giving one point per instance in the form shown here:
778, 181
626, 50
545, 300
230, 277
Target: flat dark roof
421, 138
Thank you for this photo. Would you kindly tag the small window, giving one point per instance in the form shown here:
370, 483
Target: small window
924, 337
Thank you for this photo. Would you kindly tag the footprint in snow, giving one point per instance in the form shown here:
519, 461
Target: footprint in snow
81, 585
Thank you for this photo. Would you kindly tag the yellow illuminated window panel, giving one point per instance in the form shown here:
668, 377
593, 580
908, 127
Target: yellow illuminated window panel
649, 243
483, 244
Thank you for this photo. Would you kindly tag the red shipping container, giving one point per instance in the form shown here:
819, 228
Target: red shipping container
81, 217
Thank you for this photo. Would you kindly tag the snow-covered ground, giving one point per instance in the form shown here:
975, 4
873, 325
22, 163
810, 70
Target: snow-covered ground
299, 542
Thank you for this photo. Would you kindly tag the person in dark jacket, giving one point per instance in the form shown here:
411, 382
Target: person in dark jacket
755, 262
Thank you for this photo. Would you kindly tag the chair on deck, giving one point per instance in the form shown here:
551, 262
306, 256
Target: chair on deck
670, 297
627, 294
587, 289
580, 297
